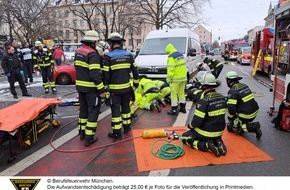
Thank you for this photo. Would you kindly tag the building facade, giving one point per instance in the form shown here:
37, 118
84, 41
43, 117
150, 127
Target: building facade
205, 36
72, 20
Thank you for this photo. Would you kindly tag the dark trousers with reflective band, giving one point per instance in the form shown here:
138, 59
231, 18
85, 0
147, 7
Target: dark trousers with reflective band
121, 110
47, 76
16, 76
216, 72
90, 105
199, 141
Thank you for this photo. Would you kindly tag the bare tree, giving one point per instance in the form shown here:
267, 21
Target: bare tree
28, 19
172, 13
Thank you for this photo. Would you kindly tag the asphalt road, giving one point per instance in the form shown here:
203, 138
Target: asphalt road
274, 142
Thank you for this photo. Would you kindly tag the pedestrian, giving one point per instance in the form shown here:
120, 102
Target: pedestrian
44, 62
26, 58
208, 122
242, 107
215, 66
89, 85
58, 55
118, 64
13, 70
177, 78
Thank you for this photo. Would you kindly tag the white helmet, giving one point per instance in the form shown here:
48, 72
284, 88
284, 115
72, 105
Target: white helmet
209, 79
115, 36
91, 35
233, 75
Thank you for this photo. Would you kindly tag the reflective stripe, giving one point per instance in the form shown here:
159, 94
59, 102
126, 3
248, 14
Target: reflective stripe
126, 116
121, 66
135, 81
230, 116
89, 84
81, 64
207, 133
106, 68
126, 122
219, 64
94, 66
268, 58
244, 127
217, 112
44, 64
249, 116
119, 86
116, 119
248, 98
118, 126
197, 91
199, 113
232, 101
181, 79
91, 124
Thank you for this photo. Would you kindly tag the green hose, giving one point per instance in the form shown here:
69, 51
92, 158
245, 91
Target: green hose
167, 151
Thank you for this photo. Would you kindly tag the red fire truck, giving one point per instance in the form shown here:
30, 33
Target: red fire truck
230, 48
281, 65
262, 50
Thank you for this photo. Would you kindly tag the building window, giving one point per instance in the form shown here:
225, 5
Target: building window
139, 30
60, 23
66, 23
138, 41
66, 14
60, 33
59, 13
130, 42
81, 22
67, 34
75, 33
75, 23
97, 11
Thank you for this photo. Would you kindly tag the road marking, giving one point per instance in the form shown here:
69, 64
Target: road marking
180, 121
28, 161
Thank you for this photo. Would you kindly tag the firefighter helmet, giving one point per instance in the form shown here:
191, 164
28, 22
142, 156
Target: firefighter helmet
115, 36
209, 80
233, 75
37, 43
102, 44
91, 35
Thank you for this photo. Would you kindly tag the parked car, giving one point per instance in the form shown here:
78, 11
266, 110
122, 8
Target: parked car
216, 51
65, 74
244, 56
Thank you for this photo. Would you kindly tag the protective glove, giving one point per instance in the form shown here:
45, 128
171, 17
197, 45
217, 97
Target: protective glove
8, 74
135, 85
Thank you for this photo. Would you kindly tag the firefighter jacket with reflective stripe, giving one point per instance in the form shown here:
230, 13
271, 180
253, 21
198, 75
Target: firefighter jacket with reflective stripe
214, 63
176, 66
42, 58
88, 70
118, 65
241, 102
160, 84
209, 116
146, 86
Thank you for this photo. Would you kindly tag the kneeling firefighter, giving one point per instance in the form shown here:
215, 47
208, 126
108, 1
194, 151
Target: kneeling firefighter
208, 122
242, 107
215, 66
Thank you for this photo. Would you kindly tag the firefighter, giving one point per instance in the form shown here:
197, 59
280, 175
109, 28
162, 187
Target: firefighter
208, 122
215, 66
176, 77
118, 64
149, 92
164, 92
44, 62
242, 107
89, 86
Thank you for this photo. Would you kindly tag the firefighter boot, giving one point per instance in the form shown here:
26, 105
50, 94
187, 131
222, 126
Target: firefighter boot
157, 106
115, 134
46, 90
255, 128
90, 139
182, 108
221, 146
173, 111
162, 102
82, 134
53, 90
127, 128
211, 147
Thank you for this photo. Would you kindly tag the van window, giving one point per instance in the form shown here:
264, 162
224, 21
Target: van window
156, 46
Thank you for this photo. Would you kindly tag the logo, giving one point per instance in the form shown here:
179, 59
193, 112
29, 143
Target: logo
24, 184
153, 69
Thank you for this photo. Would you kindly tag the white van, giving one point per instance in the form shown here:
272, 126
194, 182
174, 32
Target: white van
152, 58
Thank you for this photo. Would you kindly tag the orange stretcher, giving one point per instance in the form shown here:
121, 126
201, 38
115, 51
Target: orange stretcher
25, 120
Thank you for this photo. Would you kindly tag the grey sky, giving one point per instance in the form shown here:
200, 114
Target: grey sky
230, 19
